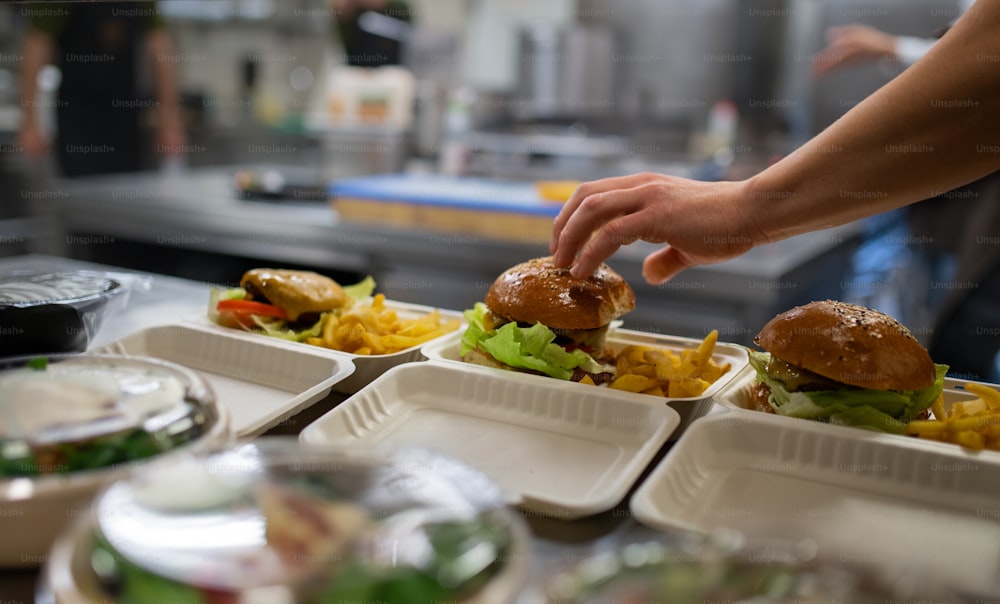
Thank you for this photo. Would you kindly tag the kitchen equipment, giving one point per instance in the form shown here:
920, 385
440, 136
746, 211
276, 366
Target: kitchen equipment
566, 71
511, 211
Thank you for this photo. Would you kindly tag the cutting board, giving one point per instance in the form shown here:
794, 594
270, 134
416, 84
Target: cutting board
510, 211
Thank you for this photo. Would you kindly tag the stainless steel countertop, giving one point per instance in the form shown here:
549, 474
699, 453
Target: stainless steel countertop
556, 543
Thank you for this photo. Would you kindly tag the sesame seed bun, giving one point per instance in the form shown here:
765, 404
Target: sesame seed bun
536, 291
850, 344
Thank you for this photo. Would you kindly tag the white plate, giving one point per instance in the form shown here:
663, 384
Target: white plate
367, 367
446, 349
865, 498
555, 449
258, 382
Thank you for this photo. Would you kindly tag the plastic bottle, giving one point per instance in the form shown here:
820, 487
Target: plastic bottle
453, 159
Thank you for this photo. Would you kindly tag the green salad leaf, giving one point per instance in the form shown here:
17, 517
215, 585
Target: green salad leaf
525, 347
880, 410
277, 328
361, 290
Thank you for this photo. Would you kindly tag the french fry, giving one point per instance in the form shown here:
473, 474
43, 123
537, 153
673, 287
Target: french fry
375, 329
973, 424
988, 395
633, 382
661, 372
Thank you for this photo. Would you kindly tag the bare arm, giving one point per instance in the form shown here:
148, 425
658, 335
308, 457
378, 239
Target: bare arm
853, 45
933, 128
170, 127
38, 51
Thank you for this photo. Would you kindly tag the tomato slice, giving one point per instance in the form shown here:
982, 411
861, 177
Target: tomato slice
249, 307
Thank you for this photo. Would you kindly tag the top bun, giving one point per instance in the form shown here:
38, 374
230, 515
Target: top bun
850, 344
537, 292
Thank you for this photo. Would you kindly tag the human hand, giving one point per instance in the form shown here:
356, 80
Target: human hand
32, 141
851, 45
700, 223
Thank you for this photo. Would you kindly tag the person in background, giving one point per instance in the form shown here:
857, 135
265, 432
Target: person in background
947, 231
381, 42
99, 49
857, 44
849, 171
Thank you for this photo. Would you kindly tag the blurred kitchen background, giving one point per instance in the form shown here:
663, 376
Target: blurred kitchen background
515, 90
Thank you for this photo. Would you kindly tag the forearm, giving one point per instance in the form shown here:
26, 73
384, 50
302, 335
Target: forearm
165, 79
930, 130
37, 52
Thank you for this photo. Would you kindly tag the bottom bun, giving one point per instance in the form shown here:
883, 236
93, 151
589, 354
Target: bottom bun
479, 357
757, 398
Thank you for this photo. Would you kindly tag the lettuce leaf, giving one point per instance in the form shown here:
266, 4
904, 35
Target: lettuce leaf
880, 410
276, 328
530, 348
361, 290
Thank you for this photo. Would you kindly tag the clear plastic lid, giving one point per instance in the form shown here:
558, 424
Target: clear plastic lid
278, 521
724, 567
59, 312
30, 288
66, 413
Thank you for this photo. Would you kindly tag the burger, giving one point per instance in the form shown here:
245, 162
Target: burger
297, 293
282, 302
843, 364
539, 318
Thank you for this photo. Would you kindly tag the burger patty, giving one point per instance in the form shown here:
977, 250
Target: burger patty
797, 379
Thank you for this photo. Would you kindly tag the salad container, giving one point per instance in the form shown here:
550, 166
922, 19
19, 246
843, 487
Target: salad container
279, 522
45, 312
726, 567
70, 424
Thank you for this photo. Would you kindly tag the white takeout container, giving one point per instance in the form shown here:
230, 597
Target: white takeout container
34, 509
366, 367
558, 451
689, 408
259, 382
866, 498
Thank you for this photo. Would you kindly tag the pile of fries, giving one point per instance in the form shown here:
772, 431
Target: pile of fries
374, 329
974, 424
667, 373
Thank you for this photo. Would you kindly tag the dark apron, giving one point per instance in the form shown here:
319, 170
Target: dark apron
965, 224
97, 114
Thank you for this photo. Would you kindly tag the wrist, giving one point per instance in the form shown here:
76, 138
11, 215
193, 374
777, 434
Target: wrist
763, 205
